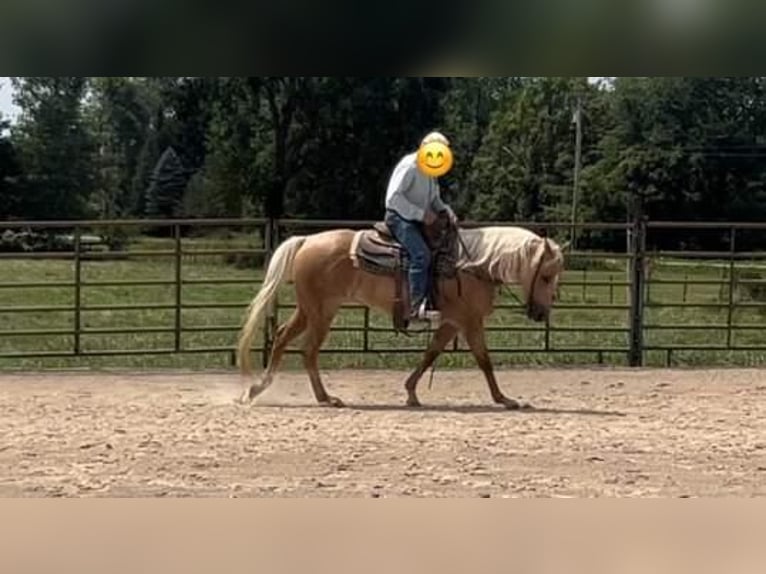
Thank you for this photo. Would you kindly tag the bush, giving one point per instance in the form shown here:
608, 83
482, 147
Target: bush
117, 239
755, 291
245, 260
26, 241
585, 263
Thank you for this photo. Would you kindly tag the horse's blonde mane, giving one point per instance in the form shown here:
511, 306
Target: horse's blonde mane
498, 253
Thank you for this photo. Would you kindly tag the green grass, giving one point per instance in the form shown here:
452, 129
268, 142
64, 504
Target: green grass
217, 327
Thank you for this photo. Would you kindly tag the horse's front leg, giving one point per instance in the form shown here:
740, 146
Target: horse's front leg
474, 335
443, 335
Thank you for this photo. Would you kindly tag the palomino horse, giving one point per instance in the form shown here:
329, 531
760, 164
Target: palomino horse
321, 268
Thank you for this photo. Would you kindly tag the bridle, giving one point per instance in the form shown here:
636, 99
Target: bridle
535, 277
530, 296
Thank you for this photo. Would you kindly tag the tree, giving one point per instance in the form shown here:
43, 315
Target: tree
351, 140
348, 137
469, 105
233, 166
202, 198
190, 106
55, 146
120, 115
523, 169
164, 197
282, 97
689, 147
10, 171
158, 98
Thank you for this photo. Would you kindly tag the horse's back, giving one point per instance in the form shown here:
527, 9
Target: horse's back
325, 248
330, 241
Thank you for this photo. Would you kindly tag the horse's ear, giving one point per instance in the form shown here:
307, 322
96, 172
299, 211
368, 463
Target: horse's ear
566, 245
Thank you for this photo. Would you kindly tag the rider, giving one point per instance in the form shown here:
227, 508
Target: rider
412, 199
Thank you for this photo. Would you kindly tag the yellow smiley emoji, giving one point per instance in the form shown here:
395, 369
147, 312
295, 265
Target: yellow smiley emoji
434, 158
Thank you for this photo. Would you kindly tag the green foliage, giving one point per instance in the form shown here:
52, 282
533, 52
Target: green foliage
166, 188
233, 166
469, 106
202, 199
10, 171
586, 263
26, 241
349, 139
55, 147
324, 147
120, 116
688, 147
523, 169
751, 285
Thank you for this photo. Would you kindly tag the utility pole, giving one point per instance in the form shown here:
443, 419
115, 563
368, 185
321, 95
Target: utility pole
577, 120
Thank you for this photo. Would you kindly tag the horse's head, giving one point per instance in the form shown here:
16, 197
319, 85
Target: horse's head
541, 283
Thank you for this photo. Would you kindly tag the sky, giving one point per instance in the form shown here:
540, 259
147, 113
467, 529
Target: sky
7, 108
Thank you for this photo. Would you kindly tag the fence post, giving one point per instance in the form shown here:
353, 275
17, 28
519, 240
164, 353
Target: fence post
637, 282
178, 285
268, 244
732, 286
366, 332
77, 289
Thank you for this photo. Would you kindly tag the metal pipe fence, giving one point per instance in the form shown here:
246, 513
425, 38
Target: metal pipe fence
616, 306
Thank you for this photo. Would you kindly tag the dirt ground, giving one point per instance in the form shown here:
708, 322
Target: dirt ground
592, 433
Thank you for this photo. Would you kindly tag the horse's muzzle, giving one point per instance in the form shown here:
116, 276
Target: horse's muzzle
537, 312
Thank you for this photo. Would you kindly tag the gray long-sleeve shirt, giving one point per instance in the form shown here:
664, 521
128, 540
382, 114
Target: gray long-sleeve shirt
410, 192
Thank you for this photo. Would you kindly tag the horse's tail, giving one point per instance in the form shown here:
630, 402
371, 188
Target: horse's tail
280, 268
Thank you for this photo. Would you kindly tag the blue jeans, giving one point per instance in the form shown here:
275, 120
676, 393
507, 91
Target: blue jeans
409, 235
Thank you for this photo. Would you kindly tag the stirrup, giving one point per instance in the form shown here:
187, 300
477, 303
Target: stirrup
425, 314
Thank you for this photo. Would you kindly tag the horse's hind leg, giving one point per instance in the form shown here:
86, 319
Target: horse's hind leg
286, 333
318, 329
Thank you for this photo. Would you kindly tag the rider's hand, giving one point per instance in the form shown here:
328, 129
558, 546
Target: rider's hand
429, 218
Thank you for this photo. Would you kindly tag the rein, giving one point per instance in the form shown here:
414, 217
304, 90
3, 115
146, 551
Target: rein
528, 303
462, 244
531, 294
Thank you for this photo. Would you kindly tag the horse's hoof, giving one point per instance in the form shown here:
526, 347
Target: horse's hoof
414, 403
332, 402
510, 404
250, 394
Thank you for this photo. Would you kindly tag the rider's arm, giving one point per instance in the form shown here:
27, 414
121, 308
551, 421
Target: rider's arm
437, 204
404, 189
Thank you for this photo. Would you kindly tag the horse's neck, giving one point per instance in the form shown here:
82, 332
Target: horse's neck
498, 252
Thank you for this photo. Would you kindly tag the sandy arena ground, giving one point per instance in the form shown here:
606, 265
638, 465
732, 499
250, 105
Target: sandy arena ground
593, 433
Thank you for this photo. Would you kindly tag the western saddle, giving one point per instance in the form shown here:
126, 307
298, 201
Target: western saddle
376, 251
